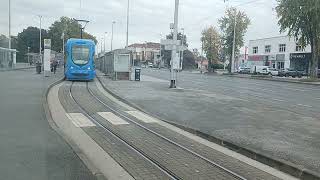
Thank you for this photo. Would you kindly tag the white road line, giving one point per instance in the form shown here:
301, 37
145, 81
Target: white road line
304, 105
142, 116
112, 118
80, 120
280, 100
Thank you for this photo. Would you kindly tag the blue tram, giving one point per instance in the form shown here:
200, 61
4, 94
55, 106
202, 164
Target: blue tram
80, 60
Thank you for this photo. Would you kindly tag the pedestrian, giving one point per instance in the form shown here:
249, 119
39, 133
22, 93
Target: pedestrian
55, 64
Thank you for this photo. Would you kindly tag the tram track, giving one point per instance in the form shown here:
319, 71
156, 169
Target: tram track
228, 173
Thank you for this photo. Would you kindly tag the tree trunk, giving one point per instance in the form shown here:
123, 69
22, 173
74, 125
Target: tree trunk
314, 59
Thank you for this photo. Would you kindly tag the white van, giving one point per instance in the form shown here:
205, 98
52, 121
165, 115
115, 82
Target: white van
260, 70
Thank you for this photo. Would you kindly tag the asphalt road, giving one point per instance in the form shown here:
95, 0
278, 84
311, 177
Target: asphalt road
29, 148
277, 119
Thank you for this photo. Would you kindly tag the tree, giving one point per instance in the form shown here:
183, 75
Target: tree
211, 43
301, 18
233, 19
188, 59
71, 29
29, 38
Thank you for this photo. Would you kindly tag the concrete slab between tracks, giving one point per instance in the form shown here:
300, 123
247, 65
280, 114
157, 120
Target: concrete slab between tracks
91, 153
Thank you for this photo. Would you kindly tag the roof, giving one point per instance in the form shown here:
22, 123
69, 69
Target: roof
269, 38
146, 45
73, 40
8, 50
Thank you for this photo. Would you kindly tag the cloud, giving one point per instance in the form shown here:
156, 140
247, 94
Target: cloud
148, 19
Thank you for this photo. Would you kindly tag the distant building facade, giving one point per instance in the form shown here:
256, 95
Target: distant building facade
145, 52
279, 53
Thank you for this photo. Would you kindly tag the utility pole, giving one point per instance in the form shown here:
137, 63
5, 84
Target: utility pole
28, 55
113, 22
160, 52
40, 47
182, 45
62, 37
233, 44
9, 24
104, 42
127, 40
174, 49
101, 45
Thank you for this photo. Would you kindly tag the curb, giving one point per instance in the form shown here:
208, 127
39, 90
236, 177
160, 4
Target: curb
16, 69
95, 172
270, 79
281, 165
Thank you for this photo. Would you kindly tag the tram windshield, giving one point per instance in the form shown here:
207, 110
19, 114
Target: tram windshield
80, 55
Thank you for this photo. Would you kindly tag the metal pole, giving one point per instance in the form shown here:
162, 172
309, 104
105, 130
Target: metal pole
112, 35
234, 43
9, 24
174, 49
104, 42
160, 52
28, 55
101, 44
127, 40
182, 44
201, 55
40, 39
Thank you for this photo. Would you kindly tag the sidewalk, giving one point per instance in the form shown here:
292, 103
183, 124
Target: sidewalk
227, 118
29, 148
276, 78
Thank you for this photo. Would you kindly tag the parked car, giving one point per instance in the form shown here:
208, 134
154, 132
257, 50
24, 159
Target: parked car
244, 70
291, 73
260, 70
273, 72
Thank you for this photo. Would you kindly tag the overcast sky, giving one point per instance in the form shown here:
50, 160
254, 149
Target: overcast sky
148, 18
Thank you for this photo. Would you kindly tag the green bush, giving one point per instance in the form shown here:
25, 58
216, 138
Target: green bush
217, 66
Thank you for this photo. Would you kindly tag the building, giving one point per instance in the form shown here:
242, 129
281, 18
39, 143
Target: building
279, 53
8, 57
146, 52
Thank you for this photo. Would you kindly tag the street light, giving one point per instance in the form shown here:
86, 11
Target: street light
113, 22
40, 46
127, 39
9, 24
104, 43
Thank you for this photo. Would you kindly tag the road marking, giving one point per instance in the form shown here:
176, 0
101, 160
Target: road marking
112, 118
304, 105
278, 100
80, 120
142, 116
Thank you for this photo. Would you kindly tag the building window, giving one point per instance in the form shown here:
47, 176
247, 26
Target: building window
267, 49
282, 48
255, 50
299, 48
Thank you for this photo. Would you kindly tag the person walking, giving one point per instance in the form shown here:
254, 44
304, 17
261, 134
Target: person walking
55, 64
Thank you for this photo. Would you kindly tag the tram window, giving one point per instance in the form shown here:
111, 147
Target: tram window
80, 55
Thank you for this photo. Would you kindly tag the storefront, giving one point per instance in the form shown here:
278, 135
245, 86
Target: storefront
300, 61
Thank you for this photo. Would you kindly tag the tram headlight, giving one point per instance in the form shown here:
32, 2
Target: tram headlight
89, 68
71, 67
